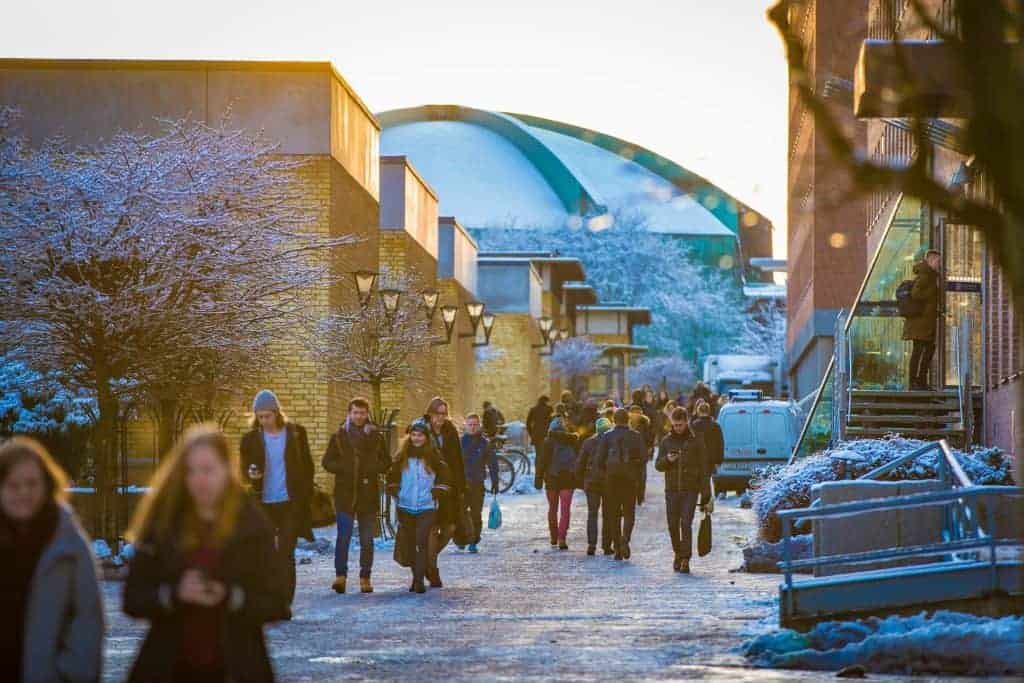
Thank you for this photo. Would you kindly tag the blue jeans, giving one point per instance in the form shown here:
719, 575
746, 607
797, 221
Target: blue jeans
367, 526
679, 509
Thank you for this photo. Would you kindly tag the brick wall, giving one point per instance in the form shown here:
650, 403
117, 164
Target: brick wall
514, 377
456, 362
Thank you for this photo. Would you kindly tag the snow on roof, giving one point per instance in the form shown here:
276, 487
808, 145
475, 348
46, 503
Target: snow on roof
764, 290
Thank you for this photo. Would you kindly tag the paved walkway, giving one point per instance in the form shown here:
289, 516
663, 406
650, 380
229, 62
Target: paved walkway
522, 610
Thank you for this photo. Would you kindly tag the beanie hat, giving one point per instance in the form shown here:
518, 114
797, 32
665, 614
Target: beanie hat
557, 424
421, 426
602, 425
265, 400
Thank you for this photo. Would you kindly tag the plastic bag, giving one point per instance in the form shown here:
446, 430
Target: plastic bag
494, 518
704, 535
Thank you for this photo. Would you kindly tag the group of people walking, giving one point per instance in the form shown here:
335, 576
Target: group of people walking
606, 452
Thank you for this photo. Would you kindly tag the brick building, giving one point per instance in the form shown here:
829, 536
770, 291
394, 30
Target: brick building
457, 286
612, 326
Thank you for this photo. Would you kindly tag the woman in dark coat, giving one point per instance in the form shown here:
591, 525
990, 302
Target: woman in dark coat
556, 472
921, 329
51, 613
203, 573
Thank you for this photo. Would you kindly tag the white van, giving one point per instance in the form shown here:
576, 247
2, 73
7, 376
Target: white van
756, 433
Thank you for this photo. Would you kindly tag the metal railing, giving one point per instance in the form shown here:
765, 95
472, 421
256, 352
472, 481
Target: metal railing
841, 378
962, 528
965, 379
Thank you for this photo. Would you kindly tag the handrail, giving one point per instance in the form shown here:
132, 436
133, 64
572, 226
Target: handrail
897, 502
948, 458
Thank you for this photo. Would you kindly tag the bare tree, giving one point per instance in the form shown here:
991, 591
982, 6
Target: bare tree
764, 332
671, 372
372, 346
131, 265
574, 359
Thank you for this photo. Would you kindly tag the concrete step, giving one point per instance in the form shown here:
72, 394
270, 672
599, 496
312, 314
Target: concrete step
904, 419
924, 433
945, 406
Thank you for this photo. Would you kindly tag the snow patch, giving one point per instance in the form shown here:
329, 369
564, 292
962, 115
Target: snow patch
946, 643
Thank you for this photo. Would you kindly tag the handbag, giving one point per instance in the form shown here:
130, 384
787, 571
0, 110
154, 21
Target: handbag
494, 518
401, 541
321, 508
704, 535
463, 527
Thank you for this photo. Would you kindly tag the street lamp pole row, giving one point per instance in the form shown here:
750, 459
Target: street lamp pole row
550, 335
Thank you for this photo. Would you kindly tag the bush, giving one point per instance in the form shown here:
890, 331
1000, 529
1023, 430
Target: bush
789, 487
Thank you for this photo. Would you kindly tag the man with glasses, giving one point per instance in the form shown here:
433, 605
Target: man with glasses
683, 459
445, 438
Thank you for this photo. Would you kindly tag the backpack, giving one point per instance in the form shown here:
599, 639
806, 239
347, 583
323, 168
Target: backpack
617, 464
906, 304
563, 459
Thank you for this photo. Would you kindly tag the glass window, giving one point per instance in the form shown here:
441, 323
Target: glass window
771, 428
737, 429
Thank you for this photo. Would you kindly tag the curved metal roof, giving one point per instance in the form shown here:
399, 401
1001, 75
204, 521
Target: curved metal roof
512, 170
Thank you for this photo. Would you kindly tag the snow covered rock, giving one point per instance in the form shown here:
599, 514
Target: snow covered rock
947, 643
762, 557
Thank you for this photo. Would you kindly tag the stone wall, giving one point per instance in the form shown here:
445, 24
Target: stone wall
456, 362
514, 376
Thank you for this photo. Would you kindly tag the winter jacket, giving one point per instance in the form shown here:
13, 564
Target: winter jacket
492, 420
537, 424
357, 466
691, 471
63, 637
299, 470
926, 290
714, 443
551, 472
623, 440
479, 455
449, 446
440, 486
256, 595
586, 467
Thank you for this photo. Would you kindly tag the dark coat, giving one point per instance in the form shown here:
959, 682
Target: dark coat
450, 448
633, 445
298, 463
556, 481
709, 429
586, 467
356, 473
926, 290
537, 421
255, 590
479, 456
691, 471
492, 420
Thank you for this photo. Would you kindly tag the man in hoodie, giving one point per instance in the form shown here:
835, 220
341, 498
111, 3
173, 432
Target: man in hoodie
921, 329
593, 484
478, 454
620, 454
556, 472
357, 456
537, 421
683, 459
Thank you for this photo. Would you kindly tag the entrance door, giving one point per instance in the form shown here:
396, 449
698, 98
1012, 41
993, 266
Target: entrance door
962, 256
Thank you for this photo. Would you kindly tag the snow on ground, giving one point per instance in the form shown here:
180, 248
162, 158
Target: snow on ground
946, 643
522, 610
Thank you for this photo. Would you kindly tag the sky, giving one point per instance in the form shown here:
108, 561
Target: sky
702, 82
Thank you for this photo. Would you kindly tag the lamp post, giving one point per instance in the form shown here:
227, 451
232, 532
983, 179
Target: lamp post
488, 320
448, 315
544, 323
430, 297
474, 309
365, 280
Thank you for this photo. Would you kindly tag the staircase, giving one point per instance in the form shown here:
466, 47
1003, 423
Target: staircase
927, 415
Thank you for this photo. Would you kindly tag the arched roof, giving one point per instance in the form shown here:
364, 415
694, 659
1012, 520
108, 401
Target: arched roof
495, 169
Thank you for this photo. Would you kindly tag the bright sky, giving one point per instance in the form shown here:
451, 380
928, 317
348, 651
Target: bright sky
702, 82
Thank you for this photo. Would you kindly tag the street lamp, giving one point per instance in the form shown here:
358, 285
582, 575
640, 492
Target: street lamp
563, 334
488, 320
364, 284
552, 336
544, 323
430, 302
474, 309
390, 299
448, 314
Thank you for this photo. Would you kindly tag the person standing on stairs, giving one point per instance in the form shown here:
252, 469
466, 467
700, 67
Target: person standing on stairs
921, 329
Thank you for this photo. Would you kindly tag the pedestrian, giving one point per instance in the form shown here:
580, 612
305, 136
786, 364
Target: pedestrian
572, 408
710, 431
493, 420
920, 329
641, 424
662, 400
620, 454
683, 459
276, 461
479, 454
588, 418
357, 456
419, 480
701, 392
556, 473
204, 572
589, 477
51, 610
666, 420
537, 421
452, 509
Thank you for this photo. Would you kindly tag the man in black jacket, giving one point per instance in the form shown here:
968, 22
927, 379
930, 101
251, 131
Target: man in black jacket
708, 428
445, 438
357, 457
537, 421
620, 454
683, 459
276, 461
921, 329
594, 486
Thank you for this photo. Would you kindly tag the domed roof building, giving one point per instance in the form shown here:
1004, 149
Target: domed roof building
502, 170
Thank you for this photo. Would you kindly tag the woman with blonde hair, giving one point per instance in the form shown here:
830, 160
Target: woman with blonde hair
51, 613
420, 480
203, 572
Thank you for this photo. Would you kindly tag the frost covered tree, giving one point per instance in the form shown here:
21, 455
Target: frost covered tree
370, 345
130, 265
764, 332
671, 372
574, 359
694, 309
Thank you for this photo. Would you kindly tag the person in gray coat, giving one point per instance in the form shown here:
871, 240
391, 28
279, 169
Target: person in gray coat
51, 612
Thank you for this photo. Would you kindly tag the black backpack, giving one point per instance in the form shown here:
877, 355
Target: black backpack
617, 464
906, 304
563, 459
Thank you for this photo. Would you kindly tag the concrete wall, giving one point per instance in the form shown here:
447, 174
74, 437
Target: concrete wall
513, 287
457, 253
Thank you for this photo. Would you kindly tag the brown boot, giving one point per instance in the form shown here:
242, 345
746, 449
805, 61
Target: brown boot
684, 566
364, 584
339, 584
434, 577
